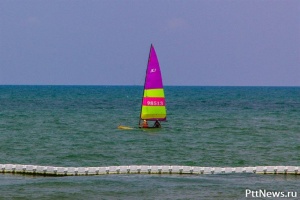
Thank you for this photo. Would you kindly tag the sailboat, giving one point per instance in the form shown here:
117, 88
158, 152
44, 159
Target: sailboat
153, 106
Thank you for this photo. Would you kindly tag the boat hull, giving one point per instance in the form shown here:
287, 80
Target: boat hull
125, 127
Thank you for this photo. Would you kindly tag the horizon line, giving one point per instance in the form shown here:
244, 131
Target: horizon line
126, 85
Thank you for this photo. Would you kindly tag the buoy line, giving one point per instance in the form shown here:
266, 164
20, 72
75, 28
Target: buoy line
142, 169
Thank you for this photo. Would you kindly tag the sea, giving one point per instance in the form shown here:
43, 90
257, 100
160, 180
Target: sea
76, 126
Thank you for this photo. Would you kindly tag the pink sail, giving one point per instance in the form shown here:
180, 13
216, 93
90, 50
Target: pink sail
153, 103
153, 73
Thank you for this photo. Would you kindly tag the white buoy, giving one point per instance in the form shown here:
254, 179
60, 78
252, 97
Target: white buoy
142, 169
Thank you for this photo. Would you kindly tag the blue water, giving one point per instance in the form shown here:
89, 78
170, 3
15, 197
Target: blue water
207, 126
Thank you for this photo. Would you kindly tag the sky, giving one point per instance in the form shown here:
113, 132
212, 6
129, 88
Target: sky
107, 42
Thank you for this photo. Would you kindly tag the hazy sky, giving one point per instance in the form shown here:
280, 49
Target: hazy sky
106, 42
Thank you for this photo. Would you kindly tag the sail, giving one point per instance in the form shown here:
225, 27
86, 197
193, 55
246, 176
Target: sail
153, 103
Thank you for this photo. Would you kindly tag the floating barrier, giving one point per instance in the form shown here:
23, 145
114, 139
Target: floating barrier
142, 169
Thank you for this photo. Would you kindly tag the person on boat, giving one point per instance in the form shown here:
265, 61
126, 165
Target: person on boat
156, 124
145, 124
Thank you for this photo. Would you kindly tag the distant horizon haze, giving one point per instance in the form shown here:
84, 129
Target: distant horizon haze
198, 43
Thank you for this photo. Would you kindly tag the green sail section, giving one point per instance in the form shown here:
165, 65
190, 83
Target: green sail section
154, 93
154, 113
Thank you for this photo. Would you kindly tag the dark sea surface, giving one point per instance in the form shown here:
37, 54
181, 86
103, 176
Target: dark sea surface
207, 126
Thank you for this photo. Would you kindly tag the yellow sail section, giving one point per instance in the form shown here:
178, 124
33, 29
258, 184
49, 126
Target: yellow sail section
154, 93
153, 112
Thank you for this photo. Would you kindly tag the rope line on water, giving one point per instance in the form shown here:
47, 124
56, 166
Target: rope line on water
142, 169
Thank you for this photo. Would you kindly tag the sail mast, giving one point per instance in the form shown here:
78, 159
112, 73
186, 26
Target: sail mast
145, 84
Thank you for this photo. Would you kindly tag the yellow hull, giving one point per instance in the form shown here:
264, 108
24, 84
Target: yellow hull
124, 127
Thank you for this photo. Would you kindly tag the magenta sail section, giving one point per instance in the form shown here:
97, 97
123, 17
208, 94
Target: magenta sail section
154, 101
153, 76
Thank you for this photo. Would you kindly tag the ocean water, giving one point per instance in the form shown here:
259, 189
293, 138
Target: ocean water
207, 126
